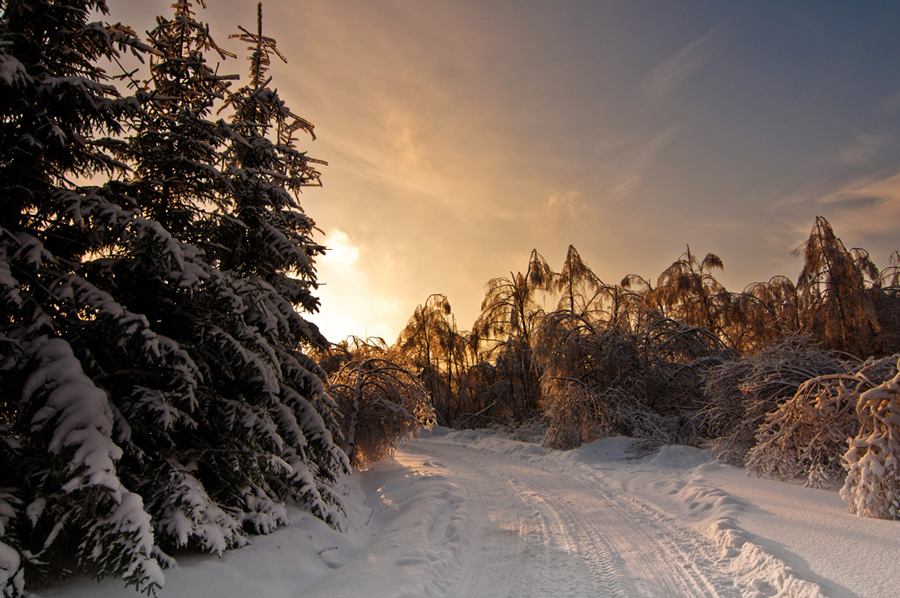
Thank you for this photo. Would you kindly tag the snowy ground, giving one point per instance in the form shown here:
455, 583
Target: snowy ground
470, 515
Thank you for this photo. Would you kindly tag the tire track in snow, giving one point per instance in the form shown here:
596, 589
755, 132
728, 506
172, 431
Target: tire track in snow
537, 533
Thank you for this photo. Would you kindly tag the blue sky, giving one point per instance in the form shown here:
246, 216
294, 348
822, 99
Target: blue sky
463, 134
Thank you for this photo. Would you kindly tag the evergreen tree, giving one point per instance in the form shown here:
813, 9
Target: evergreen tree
263, 428
152, 400
267, 234
62, 492
175, 147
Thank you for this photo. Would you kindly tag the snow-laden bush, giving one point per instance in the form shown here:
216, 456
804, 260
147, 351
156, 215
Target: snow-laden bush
575, 415
807, 435
585, 368
740, 393
600, 380
872, 488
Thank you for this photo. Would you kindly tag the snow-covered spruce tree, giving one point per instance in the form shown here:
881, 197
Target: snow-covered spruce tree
60, 490
175, 145
872, 487
267, 235
263, 427
151, 401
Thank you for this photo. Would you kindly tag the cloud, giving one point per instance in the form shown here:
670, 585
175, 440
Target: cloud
868, 205
625, 188
863, 148
623, 161
671, 72
566, 205
865, 209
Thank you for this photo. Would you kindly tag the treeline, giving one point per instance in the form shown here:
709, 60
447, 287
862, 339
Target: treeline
770, 376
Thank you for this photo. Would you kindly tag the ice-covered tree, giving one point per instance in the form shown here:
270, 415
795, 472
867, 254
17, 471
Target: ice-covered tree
581, 291
689, 293
835, 301
381, 403
436, 351
510, 314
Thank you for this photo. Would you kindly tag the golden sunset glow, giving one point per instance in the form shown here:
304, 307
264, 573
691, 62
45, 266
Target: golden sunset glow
462, 135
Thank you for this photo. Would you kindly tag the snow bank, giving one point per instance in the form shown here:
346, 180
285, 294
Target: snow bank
278, 565
422, 518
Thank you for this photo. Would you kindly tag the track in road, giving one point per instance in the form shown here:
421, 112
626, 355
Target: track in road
538, 533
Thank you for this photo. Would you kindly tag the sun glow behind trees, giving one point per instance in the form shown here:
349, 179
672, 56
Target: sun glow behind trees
461, 135
353, 304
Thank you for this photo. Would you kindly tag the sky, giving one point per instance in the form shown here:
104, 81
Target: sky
462, 134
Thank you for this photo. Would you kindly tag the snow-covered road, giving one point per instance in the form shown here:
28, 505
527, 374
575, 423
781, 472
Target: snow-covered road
538, 533
470, 515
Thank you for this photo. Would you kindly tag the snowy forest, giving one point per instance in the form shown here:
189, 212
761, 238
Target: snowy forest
788, 379
163, 391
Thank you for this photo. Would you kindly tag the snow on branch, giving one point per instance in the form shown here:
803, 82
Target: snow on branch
872, 488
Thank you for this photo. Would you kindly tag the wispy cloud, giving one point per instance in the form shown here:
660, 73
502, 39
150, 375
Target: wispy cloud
860, 208
869, 204
861, 149
624, 160
671, 72
568, 204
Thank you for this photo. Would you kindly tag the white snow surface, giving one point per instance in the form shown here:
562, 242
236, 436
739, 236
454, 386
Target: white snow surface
471, 514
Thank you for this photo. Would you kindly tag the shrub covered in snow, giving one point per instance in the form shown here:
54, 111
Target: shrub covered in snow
740, 393
807, 435
872, 488
600, 380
